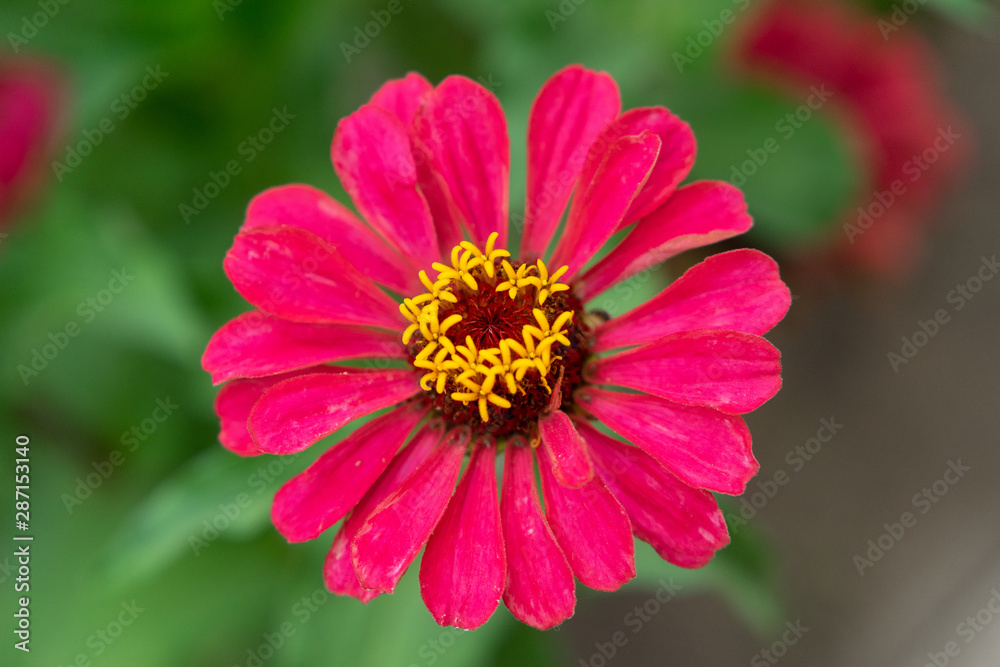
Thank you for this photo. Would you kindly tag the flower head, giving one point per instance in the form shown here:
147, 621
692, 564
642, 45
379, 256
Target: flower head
489, 353
491, 335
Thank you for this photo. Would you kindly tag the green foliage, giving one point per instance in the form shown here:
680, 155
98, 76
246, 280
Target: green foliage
792, 162
969, 14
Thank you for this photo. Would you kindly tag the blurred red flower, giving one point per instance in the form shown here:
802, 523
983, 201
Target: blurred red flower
31, 97
886, 87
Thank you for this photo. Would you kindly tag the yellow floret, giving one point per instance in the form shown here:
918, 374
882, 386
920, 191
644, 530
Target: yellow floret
476, 372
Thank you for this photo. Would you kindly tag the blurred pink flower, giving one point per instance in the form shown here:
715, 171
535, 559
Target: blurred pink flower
884, 83
31, 95
494, 355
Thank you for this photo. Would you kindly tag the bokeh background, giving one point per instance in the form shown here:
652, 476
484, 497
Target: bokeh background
153, 546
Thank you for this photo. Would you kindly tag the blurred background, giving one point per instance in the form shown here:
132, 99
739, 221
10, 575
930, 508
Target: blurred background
132, 136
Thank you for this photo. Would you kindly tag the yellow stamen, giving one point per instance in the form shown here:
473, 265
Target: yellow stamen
489, 256
503, 365
531, 357
435, 290
554, 334
509, 285
409, 309
544, 283
439, 368
476, 375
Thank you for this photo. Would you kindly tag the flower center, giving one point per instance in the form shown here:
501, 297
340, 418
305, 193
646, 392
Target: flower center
495, 338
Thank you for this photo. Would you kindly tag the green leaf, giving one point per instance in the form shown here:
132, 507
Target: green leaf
217, 495
793, 163
392, 629
69, 604
523, 646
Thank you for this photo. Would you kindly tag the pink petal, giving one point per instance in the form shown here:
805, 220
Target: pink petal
297, 412
371, 155
338, 570
566, 449
540, 588
402, 97
323, 493
572, 107
683, 524
726, 370
447, 217
461, 132
256, 343
675, 160
591, 527
703, 447
698, 214
739, 290
394, 532
306, 207
464, 567
601, 202
295, 275
233, 404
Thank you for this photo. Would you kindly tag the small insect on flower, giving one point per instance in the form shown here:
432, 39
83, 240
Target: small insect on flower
495, 354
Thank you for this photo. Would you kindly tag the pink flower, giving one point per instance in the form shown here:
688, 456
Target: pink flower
30, 96
884, 83
495, 356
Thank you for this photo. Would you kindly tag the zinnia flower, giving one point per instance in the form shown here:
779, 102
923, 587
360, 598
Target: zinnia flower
884, 83
490, 356
30, 97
